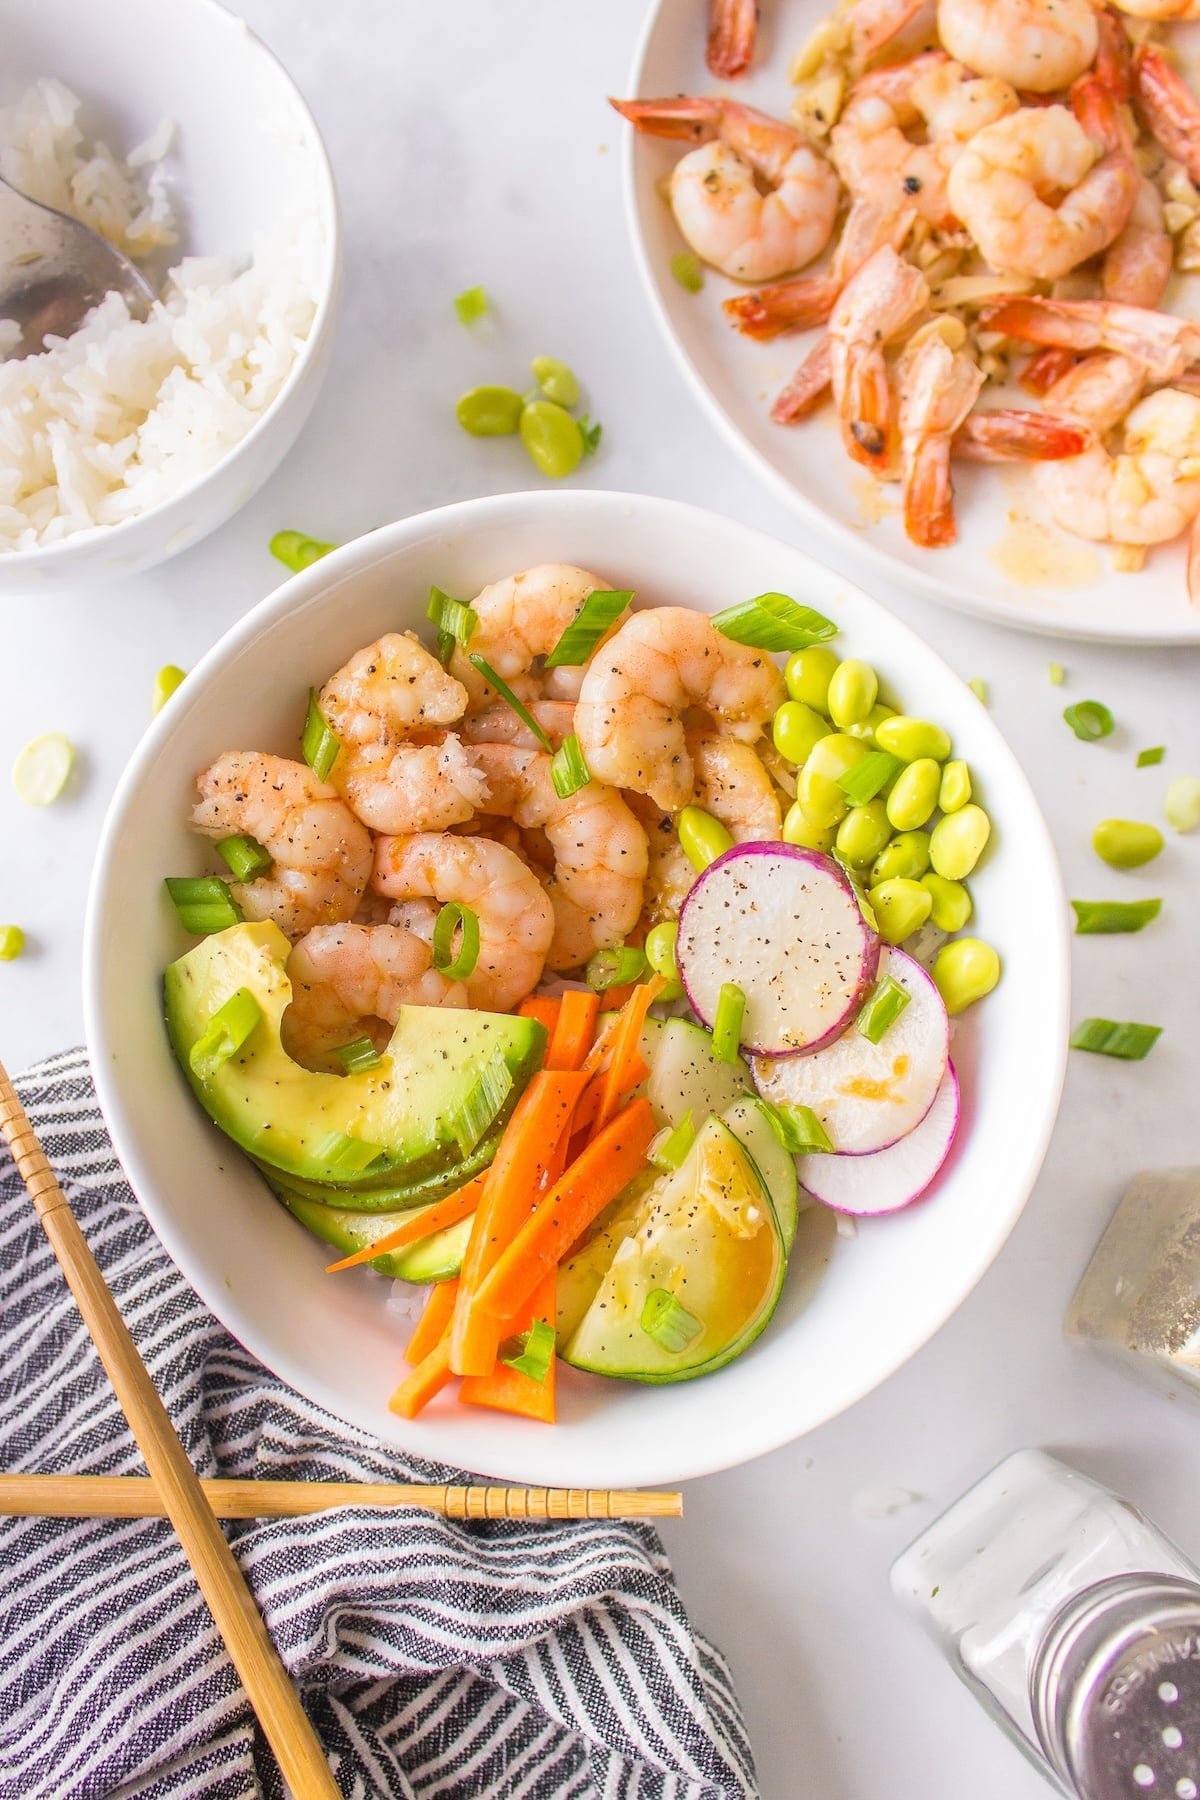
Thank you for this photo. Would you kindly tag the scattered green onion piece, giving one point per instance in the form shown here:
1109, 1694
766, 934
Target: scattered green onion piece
42, 768
481, 1107
602, 608
506, 694
169, 677
615, 968
204, 903
531, 1352
1095, 916
774, 622
319, 743
12, 942
296, 551
471, 304
455, 621
1089, 720
591, 435
686, 269
568, 768
456, 965
347, 1155
884, 1006
798, 1129
245, 856
1183, 803
865, 778
671, 1325
669, 1148
1146, 759
1108, 1037
979, 688
224, 1034
727, 1025
358, 1056
1057, 674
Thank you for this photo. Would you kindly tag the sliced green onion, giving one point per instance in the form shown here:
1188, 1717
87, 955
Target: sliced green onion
602, 608
670, 1325
12, 942
1146, 759
590, 434
774, 622
1089, 720
481, 1107
42, 768
798, 1128
319, 743
246, 857
471, 304
615, 968
979, 688
358, 1056
296, 551
224, 1034
506, 694
1183, 803
347, 1155
456, 965
860, 892
531, 1352
1108, 1037
885, 1003
1057, 674
669, 1148
568, 768
727, 1026
1095, 916
687, 271
204, 903
864, 779
169, 677
455, 621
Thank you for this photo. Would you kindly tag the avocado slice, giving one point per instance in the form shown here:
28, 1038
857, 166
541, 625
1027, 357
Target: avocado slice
437, 1257
391, 1192
438, 1061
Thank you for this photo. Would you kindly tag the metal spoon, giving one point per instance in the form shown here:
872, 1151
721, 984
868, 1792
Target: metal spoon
53, 270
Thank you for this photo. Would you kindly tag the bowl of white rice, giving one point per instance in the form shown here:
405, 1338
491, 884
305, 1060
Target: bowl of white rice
173, 131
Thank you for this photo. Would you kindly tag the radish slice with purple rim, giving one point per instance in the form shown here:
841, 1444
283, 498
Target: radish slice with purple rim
783, 923
888, 1179
868, 1095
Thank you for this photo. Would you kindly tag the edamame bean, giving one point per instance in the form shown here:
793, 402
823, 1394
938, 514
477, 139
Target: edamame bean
1183, 803
965, 971
798, 828
1125, 843
490, 411
952, 904
816, 786
853, 690
915, 795
865, 728
795, 730
956, 842
556, 380
808, 674
911, 739
552, 438
906, 855
703, 838
660, 954
899, 905
863, 833
955, 790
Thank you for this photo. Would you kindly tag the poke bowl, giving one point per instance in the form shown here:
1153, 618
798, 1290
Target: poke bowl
847, 1306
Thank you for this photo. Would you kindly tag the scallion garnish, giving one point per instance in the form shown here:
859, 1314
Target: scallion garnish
669, 1323
1057, 674
774, 622
224, 1035
169, 677
568, 768
615, 968
727, 1025
864, 779
358, 1056
798, 1128
854, 877
12, 942
669, 1148
1146, 759
454, 964
979, 688
1110, 1037
1095, 916
455, 621
245, 856
296, 551
482, 1105
1089, 720
471, 304
884, 1005
590, 434
687, 271
602, 608
203, 902
506, 694
347, 1155
319, 743
531, 1352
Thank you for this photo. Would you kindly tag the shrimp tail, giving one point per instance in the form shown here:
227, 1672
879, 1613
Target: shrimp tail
798, 305
733, 25
1047, 367
807, 388
1114, 54
866, 412
1098, 110
694, 119
1009, 435
929, 496
1169, 107
1164, 344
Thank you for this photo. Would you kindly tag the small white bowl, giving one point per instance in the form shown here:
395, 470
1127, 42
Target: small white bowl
885, 1292
248, 154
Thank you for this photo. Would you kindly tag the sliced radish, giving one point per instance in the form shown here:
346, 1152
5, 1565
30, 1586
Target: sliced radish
782, 923
868, 1095
888, 1179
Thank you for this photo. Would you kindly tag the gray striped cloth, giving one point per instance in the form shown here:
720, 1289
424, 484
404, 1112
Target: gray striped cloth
436, 1659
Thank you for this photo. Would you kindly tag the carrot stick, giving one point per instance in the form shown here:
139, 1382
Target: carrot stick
543, 1008
510, 1390
431, 1326
424, 1222
611, 1160
625, 1048
576, 1027
427, 1379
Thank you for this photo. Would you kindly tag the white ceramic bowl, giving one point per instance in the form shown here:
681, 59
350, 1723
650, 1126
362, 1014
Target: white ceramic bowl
247, 155
885, 1292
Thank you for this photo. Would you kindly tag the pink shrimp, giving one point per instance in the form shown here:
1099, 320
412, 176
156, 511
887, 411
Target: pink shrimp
732, 28
808, 300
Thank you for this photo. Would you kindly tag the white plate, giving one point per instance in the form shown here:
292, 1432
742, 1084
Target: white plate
332, 1338
736, 379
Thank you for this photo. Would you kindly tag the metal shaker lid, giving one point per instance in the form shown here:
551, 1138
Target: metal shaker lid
1115, 1690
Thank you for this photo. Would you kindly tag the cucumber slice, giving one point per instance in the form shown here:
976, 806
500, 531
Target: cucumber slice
751, 1126
434, 1258
581, 1276
708, 1236
685, 1076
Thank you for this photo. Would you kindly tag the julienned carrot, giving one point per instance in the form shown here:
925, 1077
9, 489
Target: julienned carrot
543, 1008
586, 1113
611, 1160
427, 1379
625, 1048
431, 1326
510, 1390
572, 1036
424, 1222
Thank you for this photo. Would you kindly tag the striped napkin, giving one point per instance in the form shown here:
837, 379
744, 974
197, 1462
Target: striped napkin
436, 1658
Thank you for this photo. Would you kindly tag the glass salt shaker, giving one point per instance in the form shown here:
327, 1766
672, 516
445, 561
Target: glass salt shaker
1138, 1300
1074, 1621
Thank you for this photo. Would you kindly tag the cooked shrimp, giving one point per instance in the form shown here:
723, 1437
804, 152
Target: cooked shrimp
353, 979
938, 388
732, 26
715, 194
1147, 493
807, 301
878, 304
1165, 346
1038, 45
321, 854
1034, 196
1099, 391
599, 850
1006, 435
1137, 264
499, 724
874, 24
1164, 12
661, 662
732, 785
516, 920
520, 620
808, 386
1170, 108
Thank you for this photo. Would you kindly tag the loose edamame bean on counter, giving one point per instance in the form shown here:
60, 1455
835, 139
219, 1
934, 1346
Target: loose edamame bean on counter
952, 903
808, 674
907, 855
900, 906
817, 784
910, 738
796, 728
703, 838
490, 411
956, 842
914, 798
863, 833
660, 954
798, 828
552, 438
955, 790
965, 970
853, 690
1125, 843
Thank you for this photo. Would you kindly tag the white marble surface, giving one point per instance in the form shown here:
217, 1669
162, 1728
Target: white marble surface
472, 145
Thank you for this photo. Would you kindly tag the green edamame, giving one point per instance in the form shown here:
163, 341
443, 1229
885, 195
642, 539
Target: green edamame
964, 972
808, 674
863, 833
552, 438
865, 728
490, 411
1125, 843
796, 729
798, 828
556, 380
900, 906
907, 855
955, 790
912, 739
913, 799
952, 903
956, 842
702, 837
853, 690
660, 954
817, 784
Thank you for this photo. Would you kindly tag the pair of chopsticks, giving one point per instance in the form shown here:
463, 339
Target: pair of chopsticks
173, 1489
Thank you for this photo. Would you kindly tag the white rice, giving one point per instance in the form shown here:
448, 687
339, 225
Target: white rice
125, 414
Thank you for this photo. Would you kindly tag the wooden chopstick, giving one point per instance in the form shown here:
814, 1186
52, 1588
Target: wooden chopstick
136, 1497
291, 1737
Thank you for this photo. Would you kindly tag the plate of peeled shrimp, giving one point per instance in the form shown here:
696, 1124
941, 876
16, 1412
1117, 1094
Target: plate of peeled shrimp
930, 265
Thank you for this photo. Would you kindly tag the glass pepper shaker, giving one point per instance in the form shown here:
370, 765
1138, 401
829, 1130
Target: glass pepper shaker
1074, 1621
